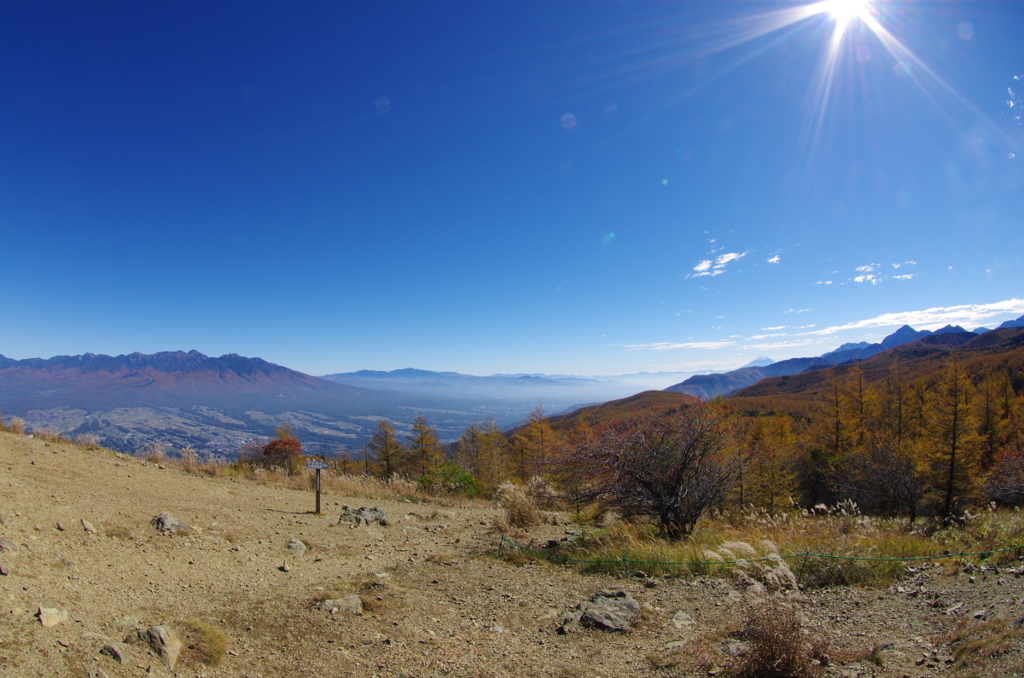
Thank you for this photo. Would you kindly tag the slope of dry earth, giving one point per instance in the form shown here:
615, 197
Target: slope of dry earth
438, 602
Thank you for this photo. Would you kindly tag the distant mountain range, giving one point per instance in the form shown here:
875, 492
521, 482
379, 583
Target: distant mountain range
712, 385
187, 399
211, 404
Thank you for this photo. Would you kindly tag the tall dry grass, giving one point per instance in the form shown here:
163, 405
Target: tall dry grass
853, 549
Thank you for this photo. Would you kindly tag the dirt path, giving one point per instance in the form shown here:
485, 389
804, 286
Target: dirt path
438, 603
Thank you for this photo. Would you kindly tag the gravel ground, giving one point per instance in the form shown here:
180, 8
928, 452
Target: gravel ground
438, 601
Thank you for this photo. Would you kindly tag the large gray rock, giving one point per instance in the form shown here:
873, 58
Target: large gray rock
351, 604
165, 643
297, 547
609, 610
51, 614
363, 516
167, 523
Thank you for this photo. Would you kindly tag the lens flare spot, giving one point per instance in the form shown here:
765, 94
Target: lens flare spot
568, 121
723, 125
607, 240
965, 31
664, 182
902, 70
382, 104
863, 54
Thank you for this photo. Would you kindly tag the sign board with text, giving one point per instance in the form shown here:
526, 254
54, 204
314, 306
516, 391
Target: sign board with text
317, 464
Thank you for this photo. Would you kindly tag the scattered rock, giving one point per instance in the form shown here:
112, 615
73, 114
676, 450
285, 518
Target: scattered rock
51, 614
363, 516
88, 526
118, 651
297, 547
980, 615
168, 524
8, 546
285, 568
3, 571
351, 604
100, 673
681, 620
610, 610
733, 647
60, 526
165, 643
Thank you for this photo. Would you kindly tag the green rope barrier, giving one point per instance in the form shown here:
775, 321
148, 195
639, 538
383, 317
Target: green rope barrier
624, 559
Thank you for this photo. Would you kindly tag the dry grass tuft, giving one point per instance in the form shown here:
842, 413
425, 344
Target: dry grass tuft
778, 647
189, 461
207, 639
975, 644
520, 511
89, 441
16, 425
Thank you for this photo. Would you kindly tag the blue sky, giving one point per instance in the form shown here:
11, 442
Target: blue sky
562, 187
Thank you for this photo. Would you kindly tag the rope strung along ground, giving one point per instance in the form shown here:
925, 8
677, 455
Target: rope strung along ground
566, 559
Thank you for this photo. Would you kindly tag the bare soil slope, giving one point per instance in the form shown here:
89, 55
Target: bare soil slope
438, 601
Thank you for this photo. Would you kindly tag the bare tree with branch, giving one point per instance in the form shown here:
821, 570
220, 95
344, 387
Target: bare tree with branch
671, 466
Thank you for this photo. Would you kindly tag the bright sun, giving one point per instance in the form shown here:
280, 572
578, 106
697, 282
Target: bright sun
845, 11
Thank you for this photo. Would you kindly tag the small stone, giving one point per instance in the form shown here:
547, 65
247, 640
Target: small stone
118, 651
285, 568
165, 643
297, 547
51, 614
733, 647
60, 526
88, 527
8, 546
100, 673
681, 620
167, 523
3, 572
350, 604
980, 615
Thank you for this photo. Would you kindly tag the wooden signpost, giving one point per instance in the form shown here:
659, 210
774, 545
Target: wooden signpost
319, 465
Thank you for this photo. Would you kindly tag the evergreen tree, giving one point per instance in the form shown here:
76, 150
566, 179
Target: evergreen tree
388, 448
424, 447
533, 444
951, 443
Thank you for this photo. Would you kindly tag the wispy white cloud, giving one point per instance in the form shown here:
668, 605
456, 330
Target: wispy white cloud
867, 277
774, 260
667, 346
905, 276
802, 310
779, 344
933, 318
707, 267
823, 282
868, 268
772, 329
765, 336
